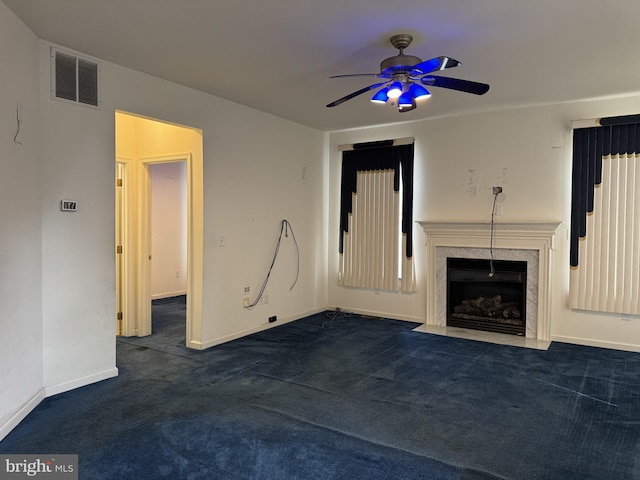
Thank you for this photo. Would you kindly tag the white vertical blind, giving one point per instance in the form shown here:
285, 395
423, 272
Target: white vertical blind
607, 277
370, 256
372, 227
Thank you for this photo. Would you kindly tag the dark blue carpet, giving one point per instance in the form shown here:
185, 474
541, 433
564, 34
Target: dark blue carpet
346, 397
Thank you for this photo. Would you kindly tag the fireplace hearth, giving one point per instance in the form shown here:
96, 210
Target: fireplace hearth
487, 295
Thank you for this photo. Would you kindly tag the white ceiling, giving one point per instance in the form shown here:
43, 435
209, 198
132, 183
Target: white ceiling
276, 55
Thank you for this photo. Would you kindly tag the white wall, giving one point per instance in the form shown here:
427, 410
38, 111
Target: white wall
78, 275
168, 229
21, 376
527, 151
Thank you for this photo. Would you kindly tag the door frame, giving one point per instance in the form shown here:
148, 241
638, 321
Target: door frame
194, 245
134, 289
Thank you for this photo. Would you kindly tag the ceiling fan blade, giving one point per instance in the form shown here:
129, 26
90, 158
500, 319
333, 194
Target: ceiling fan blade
358, 75
437, 63
355, 94
455, 84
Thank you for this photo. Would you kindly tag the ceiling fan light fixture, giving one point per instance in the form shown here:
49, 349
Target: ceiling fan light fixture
419, 92
405, 100
407, 108
381, 96
395, 90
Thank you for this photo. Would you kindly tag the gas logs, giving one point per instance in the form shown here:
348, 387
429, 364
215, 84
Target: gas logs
487, 307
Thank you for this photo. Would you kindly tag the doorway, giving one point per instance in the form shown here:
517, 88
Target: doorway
142, 143
168, 229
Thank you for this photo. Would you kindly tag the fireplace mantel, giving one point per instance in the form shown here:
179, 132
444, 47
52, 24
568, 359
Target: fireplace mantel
508, 239
519, 233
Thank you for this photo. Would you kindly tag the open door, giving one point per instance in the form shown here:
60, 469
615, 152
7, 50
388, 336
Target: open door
131, 293
133, 252
120, 272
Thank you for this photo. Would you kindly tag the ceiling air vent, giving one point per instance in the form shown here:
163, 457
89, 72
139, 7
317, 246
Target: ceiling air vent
74, 79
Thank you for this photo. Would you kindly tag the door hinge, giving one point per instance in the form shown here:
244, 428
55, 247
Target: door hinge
119, 316
118, 182
119, 249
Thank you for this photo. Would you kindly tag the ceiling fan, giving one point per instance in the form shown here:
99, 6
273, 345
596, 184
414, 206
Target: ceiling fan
405, 76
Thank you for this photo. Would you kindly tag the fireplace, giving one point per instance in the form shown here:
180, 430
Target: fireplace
532, 243
487, 295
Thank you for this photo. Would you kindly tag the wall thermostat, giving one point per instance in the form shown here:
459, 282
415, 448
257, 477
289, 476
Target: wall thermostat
68, 205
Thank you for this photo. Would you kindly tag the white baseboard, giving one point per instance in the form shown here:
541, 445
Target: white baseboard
244, 333
596, 343
80, 382
159, 296
21, 413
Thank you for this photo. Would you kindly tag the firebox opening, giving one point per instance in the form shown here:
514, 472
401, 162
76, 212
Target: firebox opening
479, 301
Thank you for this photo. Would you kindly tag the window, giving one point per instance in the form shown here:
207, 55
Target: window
376, 218
605, 218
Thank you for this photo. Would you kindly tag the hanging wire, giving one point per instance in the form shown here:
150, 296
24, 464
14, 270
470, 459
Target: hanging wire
19, 122
493, 214
285, 226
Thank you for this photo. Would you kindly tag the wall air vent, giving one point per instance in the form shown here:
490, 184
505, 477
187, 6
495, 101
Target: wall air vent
74, 79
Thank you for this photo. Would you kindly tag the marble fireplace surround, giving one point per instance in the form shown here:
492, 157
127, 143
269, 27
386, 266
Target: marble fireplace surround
530, 242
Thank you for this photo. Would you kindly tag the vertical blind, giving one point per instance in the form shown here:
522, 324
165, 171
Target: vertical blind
370, 247
605, 219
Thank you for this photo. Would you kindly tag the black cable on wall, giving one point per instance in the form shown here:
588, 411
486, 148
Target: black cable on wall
285, 226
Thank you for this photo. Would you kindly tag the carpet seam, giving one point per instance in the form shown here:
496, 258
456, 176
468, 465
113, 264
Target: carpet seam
381, 444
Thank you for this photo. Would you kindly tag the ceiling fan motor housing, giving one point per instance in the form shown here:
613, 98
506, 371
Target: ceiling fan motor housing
399, 63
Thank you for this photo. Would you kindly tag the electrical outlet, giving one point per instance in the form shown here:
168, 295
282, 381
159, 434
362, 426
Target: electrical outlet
272, 319
497, 190
264, 299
